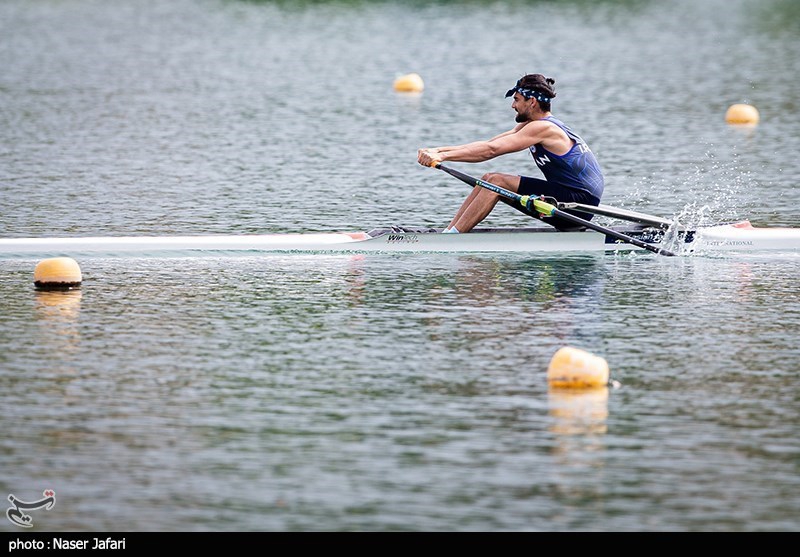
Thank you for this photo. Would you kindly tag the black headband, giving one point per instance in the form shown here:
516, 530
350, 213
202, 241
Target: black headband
528, 93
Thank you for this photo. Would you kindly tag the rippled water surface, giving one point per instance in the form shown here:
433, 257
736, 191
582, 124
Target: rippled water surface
392, 392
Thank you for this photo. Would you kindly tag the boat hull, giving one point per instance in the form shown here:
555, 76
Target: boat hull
745, 237
739, 237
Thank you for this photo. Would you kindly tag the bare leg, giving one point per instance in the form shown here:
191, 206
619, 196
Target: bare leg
481, 201
464, 206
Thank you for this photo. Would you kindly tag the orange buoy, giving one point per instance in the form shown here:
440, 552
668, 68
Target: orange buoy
573, 368
409, 83
742, 114
58, 273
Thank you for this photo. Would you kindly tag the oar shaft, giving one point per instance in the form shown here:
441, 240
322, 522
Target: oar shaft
533, 204
478, 182
610, 232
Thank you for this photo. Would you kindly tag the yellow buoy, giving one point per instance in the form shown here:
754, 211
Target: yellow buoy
409, 83
58, 273
573, 368
742, 114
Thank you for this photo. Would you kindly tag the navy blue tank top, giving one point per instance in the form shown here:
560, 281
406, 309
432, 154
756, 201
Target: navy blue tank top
578, 168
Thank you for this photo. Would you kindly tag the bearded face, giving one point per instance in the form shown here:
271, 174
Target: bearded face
523, 107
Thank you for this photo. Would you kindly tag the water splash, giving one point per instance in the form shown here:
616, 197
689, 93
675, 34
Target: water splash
712, 192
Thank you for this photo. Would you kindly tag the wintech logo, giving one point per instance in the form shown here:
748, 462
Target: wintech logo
402, 239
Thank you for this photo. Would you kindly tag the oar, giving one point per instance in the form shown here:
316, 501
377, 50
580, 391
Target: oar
616, 212
546, 209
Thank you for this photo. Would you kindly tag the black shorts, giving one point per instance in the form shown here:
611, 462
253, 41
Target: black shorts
536, 187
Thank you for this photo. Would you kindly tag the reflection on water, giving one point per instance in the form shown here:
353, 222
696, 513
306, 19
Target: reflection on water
577, 412
57, 313
282, 379
58, 306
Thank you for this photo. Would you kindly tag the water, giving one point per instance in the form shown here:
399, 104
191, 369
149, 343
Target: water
392, 392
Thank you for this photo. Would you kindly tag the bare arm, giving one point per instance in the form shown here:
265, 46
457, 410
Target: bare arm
474, 143
521, 137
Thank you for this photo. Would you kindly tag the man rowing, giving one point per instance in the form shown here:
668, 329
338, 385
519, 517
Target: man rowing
571, 171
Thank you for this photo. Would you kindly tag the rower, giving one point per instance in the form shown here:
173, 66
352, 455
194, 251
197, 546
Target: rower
572, 173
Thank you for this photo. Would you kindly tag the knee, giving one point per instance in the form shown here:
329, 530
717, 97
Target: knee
493, 178
502, 180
